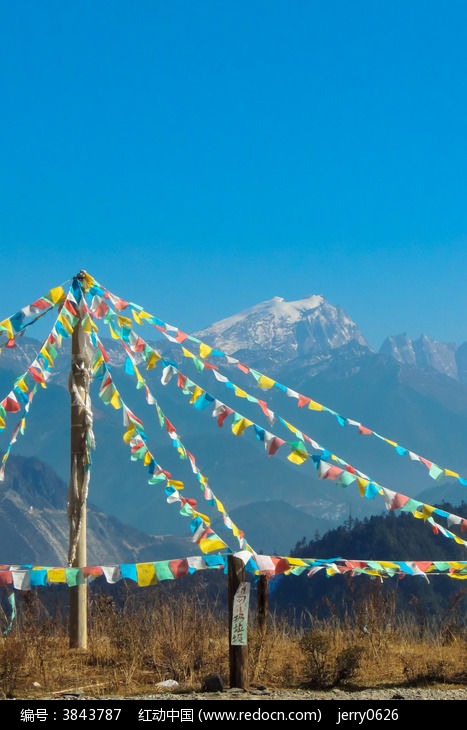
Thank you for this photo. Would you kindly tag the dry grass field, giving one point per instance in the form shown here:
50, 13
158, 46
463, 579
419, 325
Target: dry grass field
134, 646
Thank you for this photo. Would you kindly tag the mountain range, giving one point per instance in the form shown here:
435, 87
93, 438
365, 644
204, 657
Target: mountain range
413, 392
33, 515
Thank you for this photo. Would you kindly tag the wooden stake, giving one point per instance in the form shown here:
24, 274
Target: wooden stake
238, 655
79, 463
262, 606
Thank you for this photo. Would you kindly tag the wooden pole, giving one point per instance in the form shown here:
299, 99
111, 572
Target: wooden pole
79, 476
262, 606
238, 654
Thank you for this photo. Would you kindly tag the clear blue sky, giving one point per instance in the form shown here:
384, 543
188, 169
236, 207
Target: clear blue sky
200, 157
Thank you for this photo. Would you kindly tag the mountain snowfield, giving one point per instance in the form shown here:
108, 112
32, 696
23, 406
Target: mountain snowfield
306, 326
313, 327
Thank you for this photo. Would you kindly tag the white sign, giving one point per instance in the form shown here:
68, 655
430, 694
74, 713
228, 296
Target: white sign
241, 602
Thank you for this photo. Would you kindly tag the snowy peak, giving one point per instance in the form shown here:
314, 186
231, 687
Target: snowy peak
275, 309
309, 326
423, 353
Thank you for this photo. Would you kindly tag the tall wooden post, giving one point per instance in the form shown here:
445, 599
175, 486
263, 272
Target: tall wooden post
238, 654
262, 606
79, 477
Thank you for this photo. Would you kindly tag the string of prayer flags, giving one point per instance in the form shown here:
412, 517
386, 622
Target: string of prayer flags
25, 387
15, 325
344, 474
26, 577
267, 383
88, 301
198, 397
136, 439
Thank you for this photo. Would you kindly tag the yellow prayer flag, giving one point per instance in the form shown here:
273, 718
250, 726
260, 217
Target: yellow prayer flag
115, 400
197, 391
239, 392
124, 322
459, 540
186, 352
265, 383
46, 354
147, 458
289, 426
129, 433
146, 574
22, 385
450, 473
56, 294
314, 406
239, 426
296, 562
66, 324
209, 545
392, 443
219, 505
88, 325
6, 325
153, 358
139, 316
204, 350
297, 456
56, 575
176, 484
362, 484
139, 377
113, 334
88, 279
427, 511
205, 518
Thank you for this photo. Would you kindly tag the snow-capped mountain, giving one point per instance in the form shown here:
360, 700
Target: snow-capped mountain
305, 327
423, 353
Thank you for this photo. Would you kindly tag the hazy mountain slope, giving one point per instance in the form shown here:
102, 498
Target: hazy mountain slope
389, 537
427, 354
34, 524
270, 524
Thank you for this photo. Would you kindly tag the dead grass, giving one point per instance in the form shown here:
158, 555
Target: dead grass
136, 645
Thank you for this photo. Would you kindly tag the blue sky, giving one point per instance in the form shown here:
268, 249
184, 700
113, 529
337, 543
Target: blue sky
198, 158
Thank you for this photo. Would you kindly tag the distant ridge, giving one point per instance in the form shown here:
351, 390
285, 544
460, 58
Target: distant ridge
292, 329
33, 516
